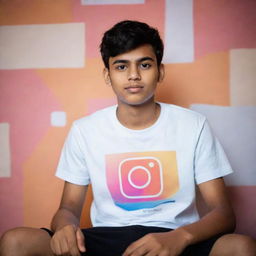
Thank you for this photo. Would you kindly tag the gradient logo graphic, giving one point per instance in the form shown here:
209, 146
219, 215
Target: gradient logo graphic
143, 179
140, 177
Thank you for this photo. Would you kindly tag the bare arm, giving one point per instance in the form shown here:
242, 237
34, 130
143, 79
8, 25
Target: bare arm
220, 219
71, 206
68, 237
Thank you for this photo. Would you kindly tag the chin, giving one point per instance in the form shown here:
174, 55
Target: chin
138, 102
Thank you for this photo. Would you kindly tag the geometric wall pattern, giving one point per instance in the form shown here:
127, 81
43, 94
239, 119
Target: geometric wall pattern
5, 152
42, 46
235, 127
51, 74
243, 77
179, 36
104, 2
58, 118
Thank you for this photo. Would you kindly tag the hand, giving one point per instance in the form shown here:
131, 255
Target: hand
68, 240
159, 244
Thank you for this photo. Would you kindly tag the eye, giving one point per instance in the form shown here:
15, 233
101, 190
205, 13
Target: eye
145, 65
121, 67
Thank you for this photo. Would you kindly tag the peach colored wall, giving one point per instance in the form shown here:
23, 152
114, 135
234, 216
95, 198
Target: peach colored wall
32, 91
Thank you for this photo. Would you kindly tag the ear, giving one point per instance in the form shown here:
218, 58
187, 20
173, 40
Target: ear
106, 76
161, 73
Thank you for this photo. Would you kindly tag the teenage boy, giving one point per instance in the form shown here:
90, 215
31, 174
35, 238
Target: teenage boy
144, 160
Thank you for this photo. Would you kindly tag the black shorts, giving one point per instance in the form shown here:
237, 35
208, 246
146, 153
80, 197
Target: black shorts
113, 241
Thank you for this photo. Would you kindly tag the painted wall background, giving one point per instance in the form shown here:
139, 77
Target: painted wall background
51, 74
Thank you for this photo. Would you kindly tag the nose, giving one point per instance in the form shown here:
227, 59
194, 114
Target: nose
134, 73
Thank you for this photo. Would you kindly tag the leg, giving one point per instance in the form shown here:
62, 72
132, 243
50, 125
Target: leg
25, 242
234, 245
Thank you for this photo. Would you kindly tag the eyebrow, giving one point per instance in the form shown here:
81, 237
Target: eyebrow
127, 61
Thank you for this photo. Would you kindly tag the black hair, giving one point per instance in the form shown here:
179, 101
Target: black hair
128, 35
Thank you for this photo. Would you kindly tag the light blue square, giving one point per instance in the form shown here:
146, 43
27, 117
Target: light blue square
58, 118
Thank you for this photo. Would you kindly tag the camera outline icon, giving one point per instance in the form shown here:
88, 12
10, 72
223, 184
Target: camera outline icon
152, 161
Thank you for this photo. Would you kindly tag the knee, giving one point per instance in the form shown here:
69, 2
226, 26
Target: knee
234, 245
245, 246
11, 241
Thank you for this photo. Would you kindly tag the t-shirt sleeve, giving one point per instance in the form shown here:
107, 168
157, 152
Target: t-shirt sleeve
72, 165
210, 159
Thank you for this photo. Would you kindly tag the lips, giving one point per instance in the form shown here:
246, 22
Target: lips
134, 88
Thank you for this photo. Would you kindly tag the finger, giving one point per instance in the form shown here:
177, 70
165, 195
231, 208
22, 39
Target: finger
60, 246
72, 245
147, 250
74, 251
80, 240
142, 250
56, 246
166, 253
135, 249
64, 246
134, 246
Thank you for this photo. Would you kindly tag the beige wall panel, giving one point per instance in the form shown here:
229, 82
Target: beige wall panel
42, 46
243, 77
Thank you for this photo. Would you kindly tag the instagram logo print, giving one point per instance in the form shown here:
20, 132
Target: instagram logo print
140, 177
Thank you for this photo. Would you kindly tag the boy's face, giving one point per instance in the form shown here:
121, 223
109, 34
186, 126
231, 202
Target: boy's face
134, 75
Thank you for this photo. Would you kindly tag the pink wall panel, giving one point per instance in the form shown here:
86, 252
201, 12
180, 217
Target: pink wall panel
152, 12
222, 25
26, 104
244, 204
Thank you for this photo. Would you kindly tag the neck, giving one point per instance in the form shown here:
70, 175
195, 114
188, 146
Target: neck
138, 117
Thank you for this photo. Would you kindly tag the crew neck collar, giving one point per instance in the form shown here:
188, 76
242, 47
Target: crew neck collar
156, 123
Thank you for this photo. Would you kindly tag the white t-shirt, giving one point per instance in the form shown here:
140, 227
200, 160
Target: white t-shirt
143, 177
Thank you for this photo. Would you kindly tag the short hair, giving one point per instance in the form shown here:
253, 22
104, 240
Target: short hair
127, 35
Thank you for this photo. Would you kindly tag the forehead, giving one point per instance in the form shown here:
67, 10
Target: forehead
136, 54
